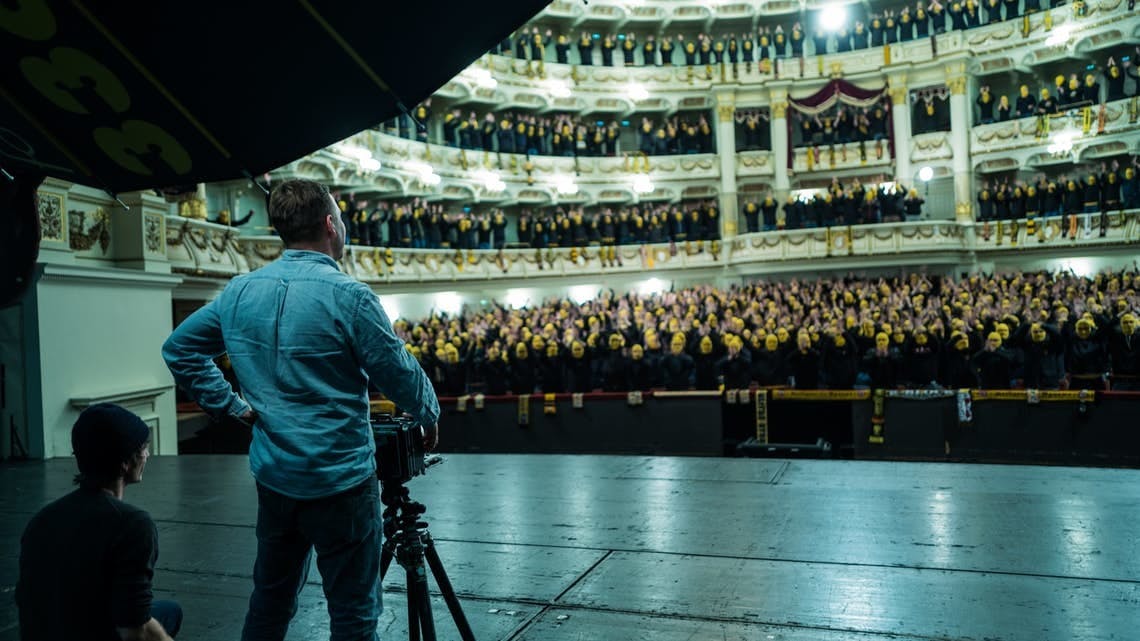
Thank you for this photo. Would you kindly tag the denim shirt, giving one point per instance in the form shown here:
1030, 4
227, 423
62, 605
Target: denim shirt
304, 340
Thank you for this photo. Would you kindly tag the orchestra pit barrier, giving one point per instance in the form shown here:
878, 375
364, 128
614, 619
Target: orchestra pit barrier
1011, 426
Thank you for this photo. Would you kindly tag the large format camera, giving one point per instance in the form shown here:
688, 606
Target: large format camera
399, 448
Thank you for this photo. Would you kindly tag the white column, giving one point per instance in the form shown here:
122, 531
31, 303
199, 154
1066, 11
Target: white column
779, 135
960, 143
900, 115
726, 154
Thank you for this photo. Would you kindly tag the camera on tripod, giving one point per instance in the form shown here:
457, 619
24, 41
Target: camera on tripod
399, 448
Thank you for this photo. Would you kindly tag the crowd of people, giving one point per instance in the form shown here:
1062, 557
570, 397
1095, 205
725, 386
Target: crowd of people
560, 134
861, 30
853, 203
1036, 330
842, 124
419, 224
625, 225
1112, 187
1064, 94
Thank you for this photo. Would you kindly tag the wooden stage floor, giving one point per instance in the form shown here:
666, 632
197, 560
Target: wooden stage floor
574, 548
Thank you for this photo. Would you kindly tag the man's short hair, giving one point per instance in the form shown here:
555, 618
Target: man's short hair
297, 210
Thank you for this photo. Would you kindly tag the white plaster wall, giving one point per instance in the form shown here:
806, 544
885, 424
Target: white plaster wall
100, 334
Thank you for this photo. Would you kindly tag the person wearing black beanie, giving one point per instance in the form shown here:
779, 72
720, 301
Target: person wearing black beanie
87, 559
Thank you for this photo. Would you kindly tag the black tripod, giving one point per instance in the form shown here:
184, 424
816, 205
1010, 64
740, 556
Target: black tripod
406, 539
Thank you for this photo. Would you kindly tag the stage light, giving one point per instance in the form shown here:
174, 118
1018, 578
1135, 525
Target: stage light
448, 302
425, 172
642, 184
652, 286
580, 294
1062, 143
483, 78
491, 180
833, 18
1059, 36
925, 174
369, 163
353, 151
1081, 267
391, 308
517, 298
638, 93
565, 185
559, 89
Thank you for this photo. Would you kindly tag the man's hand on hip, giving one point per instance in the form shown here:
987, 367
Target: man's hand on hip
431, 436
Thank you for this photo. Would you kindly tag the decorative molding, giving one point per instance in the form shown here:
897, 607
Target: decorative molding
125, 397
779, 109
899, 95
84, 234
125, 277
964, 212
957, 85
154, 234
943, 241
725, 112
51, 208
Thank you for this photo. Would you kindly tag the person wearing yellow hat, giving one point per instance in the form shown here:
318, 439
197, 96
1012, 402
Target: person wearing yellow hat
613, 365
1043, 355
493, 369
1087, 356
1124, 354
840, 357
957, 367
880, 366
677, 366
768, 363
803, 363
993, 364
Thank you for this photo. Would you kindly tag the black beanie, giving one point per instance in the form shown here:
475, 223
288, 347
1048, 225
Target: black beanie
104, 436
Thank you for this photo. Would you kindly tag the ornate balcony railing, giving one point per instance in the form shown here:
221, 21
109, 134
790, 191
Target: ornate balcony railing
1001, 46
205, 249
1027, 141
406, 167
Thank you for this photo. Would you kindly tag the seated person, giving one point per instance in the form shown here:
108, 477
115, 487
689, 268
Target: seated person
87, 559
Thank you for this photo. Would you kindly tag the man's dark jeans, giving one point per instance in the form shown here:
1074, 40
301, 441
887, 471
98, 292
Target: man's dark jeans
168, 614
347, 532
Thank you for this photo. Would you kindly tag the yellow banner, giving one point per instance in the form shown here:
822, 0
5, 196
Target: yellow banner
762, 416
1070, 396
820, 395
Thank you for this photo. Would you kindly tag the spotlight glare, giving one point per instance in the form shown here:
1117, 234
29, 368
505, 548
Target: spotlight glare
925, 174
642, 184
833, 18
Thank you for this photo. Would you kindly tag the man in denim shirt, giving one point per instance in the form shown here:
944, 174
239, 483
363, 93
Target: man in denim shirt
305, 340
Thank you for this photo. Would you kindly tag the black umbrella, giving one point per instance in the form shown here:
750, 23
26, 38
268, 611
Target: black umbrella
125, 96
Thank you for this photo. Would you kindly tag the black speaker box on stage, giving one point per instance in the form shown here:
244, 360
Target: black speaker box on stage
755, 449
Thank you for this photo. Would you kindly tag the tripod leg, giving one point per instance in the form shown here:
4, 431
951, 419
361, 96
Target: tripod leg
385, 560
419, 603
413, 612
448, 592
